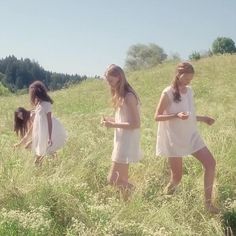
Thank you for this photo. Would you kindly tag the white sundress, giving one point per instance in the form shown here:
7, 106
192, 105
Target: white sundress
176, 137
126, 141
40, 131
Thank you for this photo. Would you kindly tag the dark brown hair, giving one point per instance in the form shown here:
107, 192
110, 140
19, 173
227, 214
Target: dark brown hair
122, 88
21, 125
38, 90
182, 68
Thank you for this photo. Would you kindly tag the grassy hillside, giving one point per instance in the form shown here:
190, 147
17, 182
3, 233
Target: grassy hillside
70, 196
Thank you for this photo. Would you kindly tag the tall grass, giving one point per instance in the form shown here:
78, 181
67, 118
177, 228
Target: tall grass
70, 196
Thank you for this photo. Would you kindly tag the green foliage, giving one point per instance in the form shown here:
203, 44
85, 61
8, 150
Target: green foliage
229, 217
19, 74
195, 56
3, 90
70, 196
202, 54
141, 56
206, 53
25, 222
223, 45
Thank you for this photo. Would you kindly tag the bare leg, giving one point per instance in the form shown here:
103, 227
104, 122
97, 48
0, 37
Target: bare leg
118, 176
175, 164
209, 163
38, 160
54, 156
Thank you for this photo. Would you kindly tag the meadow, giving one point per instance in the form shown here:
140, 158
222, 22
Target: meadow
70, 196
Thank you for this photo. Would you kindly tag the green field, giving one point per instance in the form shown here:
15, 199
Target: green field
70, 196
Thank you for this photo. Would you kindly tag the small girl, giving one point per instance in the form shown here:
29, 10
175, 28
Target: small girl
177, 134
127, 128
48, 134
23, 120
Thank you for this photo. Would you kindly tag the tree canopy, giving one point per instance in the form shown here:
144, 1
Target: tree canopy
223, 45
18, 74
141, 56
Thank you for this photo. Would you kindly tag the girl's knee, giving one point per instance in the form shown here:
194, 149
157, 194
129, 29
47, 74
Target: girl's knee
211, 164
176, 179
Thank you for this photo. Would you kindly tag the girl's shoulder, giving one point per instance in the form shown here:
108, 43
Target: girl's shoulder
45, 102
190, 90
168, 91
130, 94
47, 106
131, 97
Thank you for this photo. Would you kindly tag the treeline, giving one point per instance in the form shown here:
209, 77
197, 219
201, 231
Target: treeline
142, 56
17, 74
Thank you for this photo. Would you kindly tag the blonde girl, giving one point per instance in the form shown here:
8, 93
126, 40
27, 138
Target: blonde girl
127, 128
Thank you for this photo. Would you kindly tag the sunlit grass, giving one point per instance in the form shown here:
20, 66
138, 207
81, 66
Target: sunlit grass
73, 192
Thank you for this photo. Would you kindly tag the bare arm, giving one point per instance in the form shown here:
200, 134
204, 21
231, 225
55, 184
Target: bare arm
26, 137
49, 118
133, 115
206, 119
161, 107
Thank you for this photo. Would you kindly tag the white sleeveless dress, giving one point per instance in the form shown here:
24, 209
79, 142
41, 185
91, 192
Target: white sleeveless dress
40, 131
126, 141
176, 137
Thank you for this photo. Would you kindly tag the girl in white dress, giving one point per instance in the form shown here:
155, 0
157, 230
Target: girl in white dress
177, 133
127, 128
48, 134
23, 120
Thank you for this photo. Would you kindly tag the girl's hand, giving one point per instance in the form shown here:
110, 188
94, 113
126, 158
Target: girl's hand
107, 122
28, 144
108, 118
103, 119
183, 115
208, 120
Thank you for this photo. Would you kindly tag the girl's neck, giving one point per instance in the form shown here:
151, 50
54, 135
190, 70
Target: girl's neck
182, 88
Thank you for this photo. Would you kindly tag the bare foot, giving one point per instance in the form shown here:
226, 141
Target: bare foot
127, 192
38, 161
212, 209
54, 156
170, 189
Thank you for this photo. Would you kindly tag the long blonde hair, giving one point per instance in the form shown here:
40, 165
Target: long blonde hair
182, 68
123, 87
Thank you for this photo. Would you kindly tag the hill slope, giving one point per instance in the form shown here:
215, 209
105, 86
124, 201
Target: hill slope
70, 196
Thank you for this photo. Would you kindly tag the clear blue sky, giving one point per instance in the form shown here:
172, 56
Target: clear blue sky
75, 36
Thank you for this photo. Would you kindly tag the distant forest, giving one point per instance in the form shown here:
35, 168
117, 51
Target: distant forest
17, 74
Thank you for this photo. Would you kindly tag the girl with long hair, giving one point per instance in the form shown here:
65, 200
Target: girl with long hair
127, 128
177, 134
23, 120
48, 134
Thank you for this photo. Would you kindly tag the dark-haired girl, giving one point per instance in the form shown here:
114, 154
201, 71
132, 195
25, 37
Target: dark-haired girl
23, 120
48, 135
